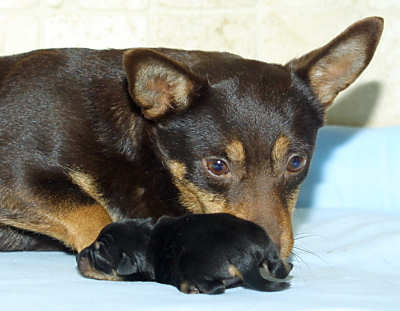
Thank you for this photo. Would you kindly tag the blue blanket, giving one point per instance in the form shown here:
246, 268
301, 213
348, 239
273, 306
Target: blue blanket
347, 246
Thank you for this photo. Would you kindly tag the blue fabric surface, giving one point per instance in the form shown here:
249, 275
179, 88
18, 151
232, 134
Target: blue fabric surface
354, 168
346, 250
345, 260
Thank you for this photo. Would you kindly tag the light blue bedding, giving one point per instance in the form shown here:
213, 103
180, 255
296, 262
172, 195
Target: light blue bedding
354, 168
347, 246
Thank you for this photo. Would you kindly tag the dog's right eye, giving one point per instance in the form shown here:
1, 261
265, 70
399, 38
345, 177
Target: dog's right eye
296, 163
217, 167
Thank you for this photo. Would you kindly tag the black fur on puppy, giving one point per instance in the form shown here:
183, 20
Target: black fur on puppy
202, 253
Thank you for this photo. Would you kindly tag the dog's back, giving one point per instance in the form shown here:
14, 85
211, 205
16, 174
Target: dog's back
50, 128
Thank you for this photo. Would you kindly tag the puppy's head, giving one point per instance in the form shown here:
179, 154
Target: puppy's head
237, 135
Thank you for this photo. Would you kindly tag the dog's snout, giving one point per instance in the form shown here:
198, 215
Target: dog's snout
276, 270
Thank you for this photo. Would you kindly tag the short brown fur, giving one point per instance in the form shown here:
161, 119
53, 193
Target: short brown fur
138, 125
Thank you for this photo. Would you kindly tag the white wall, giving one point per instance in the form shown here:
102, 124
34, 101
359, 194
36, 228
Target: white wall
269, 30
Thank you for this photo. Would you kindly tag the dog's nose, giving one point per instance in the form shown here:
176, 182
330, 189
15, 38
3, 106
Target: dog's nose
276, 270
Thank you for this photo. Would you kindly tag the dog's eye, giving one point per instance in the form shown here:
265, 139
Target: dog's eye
217, 167
296, 163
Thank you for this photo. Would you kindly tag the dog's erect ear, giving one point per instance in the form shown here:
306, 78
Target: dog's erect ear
159, 84
335, 66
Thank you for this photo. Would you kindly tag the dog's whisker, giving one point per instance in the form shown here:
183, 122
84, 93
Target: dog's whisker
305, 234
310, 253
299, 258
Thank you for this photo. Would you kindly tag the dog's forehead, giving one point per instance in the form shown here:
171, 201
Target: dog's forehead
240, 74
255, 100
247, 101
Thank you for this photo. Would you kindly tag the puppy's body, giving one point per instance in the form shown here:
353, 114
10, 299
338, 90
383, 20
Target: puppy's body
88, 137
196, 253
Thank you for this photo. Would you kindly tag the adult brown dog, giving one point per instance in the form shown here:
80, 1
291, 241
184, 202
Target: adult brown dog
89, 137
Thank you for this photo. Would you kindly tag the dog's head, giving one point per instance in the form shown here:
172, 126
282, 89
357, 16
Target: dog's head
238, 135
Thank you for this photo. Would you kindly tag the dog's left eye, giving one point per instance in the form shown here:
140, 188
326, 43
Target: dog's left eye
217, 167
296, 163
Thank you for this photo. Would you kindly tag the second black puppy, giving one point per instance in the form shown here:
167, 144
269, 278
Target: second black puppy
202, 253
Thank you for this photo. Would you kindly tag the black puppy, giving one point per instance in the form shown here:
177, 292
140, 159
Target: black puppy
196, 253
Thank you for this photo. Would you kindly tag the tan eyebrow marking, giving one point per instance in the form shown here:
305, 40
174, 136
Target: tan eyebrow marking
235, 151
279, 150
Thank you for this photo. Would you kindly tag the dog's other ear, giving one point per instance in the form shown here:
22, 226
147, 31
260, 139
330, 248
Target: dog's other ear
158, 84
335, 66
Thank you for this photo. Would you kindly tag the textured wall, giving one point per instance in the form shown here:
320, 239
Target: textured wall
274, 31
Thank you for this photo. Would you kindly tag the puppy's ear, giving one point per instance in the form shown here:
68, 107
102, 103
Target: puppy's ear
335, 66
158, 84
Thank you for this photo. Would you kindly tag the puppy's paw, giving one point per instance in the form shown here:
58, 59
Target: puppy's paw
202, 287
271, 275
119, 253
97, 262
105, 260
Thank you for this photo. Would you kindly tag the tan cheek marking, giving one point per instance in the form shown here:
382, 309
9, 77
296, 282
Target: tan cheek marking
197, 200
278, 225
286, 238
192, 197
286, 225
177, 169
235, 151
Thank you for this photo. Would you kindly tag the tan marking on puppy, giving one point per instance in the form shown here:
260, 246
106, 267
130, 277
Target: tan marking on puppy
192, 197
235, 151
234, 272
90, 272
279, 151
140, 191
186, 288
